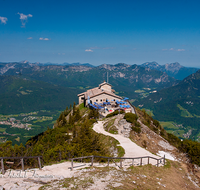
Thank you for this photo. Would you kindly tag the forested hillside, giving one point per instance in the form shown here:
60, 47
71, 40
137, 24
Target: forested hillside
72, 136
179, 104
21, 95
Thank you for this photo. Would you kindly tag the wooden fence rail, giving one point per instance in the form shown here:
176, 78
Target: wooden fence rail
159, 160
22, 161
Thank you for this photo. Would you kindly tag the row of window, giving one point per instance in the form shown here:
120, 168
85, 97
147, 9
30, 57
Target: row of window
104, 100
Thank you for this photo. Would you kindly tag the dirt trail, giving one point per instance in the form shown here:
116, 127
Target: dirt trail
131, 149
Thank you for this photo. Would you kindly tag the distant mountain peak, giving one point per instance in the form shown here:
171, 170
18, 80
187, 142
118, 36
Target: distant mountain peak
25, 61
151, 65
173, 66
122, 65
172, 69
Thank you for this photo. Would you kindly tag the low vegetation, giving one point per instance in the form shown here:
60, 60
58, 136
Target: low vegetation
191, 148
110, 127
132, 118
72, 136
116, 112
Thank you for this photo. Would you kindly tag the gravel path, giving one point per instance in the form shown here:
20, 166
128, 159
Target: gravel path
131, 149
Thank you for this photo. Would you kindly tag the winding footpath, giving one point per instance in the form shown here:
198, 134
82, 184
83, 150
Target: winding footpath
131, 149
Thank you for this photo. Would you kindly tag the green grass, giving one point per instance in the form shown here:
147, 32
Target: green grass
113, 130
168, 125
184, 112
2, 129
121, 151
139, 91
149, 112
109, 127
81, 106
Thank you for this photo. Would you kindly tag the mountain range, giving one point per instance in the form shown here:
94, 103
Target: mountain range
29, 87
127, 80
173, 69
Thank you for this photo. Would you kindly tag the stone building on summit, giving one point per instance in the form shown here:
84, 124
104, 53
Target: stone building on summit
100, 94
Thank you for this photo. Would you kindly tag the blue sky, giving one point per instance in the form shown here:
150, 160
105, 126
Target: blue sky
97, 32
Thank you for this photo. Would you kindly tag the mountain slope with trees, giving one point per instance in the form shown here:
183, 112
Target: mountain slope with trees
179, 103
20, 95
126, 79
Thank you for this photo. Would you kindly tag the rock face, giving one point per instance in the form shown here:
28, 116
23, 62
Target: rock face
125, 127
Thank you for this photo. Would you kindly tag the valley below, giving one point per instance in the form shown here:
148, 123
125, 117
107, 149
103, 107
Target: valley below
18, 128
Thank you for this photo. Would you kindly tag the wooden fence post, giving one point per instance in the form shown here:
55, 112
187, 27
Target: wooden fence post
39, 163
2, 166
108, 162
141, 161
72, 165
120, 163
157, 162
132, 162
148, 160
164, 159
92, 159
22, 163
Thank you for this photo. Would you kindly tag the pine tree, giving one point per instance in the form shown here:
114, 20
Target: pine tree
77, 115
74, 109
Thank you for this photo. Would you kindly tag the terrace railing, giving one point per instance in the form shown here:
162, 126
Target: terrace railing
21, 161
159, 160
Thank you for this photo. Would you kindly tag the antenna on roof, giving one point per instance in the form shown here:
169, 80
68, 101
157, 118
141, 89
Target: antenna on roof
107, 76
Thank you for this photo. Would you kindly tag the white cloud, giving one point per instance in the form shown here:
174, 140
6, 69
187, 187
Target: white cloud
3, 20
30, 38
61, 53
180, 49
89, 50
173, 49
24, 18
46, 39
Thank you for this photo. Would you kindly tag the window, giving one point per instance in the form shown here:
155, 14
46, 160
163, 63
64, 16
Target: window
96, 100
101, 100
114, 100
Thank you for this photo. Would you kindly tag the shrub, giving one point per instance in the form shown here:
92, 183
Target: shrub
130, 117
116, 112
137, 124
173, 140
136, 129
156, 123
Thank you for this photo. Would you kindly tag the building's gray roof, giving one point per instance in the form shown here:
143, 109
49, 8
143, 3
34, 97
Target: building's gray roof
97, 91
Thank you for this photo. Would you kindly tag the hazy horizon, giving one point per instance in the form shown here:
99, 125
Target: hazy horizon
131, 32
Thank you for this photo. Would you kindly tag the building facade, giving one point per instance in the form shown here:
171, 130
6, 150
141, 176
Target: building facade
100, 94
